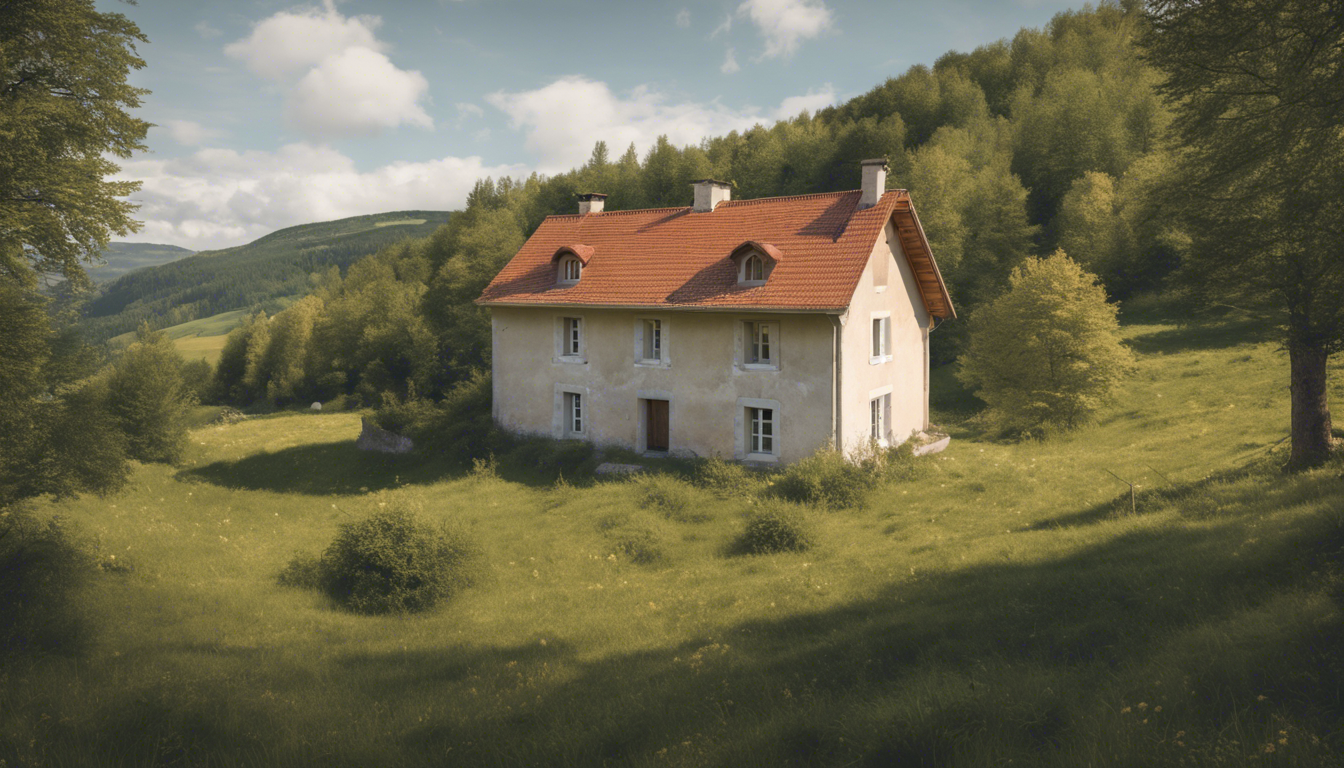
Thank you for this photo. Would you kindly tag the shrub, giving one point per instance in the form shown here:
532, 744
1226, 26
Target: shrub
774, 527
672, 497
149, 398
41, 567
393, 561
828, 479
1046, 353
552, 458
725, 478
459, 427
639, 543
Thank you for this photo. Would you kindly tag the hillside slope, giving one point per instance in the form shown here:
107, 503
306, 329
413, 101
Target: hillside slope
121, 258
276, 266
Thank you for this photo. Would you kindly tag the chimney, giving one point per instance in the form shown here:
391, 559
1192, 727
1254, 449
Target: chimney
709, 193
874, 181
591, 202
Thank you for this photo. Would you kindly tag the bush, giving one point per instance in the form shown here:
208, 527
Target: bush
1046, 353
638, 543
551, 458
672, 497
828, 479
41, 567
304, 571
725, 478
774, 527
392, 561
460, 427
149, 398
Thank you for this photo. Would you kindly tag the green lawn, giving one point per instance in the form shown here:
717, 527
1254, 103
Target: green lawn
1003, 607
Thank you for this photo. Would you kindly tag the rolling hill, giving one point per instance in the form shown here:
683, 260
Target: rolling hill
121, 258
257, 275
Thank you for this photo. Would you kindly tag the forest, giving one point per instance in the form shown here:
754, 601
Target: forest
1056, 139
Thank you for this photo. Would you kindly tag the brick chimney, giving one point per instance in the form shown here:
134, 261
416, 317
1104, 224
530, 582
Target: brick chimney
591, 202
874, 181
709, 193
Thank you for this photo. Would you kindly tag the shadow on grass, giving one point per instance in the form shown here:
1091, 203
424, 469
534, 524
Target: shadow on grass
1206, 335
1022, 661
321, 469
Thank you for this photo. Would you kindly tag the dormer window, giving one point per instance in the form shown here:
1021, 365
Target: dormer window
754, 269
755, 261
570, 261
570, 269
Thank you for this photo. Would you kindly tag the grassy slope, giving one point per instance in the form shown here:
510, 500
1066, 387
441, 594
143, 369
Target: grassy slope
198, 339
997, 609
120, 258
270, 268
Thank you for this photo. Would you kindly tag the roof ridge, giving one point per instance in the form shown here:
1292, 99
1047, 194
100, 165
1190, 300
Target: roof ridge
809, 196
615, 213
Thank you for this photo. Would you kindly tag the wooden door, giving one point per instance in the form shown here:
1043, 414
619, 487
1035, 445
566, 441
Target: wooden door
656, 425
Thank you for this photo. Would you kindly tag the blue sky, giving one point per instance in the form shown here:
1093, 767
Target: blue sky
273, 113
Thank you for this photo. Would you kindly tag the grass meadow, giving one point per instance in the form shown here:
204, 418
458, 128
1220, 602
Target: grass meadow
1004, 606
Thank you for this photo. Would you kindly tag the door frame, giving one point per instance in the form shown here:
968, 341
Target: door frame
642, 421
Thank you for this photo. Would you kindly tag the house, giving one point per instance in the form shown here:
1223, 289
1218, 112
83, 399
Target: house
753, 329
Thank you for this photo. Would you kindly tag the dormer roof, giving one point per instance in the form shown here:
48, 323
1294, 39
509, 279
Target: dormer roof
669, 258
579, 251
751, 246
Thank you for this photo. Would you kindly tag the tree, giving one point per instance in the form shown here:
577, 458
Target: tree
148, 397
64, 104
1258, 89
1047, 352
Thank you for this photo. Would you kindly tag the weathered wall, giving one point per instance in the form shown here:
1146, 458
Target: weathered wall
906, 372
701, 377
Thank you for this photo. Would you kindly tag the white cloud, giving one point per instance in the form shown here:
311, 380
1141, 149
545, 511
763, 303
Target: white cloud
467, 109
729, 63
206, 30
357, 91
217, 198
684, 18
563, 120
724, 28
288, 43
340, 80
190, 133
811, 101
786, 23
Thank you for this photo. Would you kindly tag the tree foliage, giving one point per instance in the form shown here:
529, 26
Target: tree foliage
1047, 352
149, 398
64, 108
1259, 95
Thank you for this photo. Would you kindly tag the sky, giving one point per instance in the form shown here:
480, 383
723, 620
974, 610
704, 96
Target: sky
271, 113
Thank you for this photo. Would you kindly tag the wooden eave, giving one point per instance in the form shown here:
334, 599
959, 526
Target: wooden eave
920, 257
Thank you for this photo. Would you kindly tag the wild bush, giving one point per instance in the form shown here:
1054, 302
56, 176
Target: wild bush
41, 567
304, 570
394, 561
828, 479
725, 478
637, 542
774, 527
459, 427
672, 497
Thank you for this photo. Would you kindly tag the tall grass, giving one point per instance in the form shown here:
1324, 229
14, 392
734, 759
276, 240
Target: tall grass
1003, 605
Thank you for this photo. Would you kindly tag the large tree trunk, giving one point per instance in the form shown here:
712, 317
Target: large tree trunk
1311, 408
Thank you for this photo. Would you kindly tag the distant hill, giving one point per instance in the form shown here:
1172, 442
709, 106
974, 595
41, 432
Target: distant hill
120, 258
258, 275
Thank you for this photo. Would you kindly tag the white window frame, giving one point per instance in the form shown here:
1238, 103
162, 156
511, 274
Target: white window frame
641, 342
749, 332
879, 338
879, 416
566, 349
569, 265
563, 418
743, 269
748, 426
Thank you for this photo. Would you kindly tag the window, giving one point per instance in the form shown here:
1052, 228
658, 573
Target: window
573, 413
653, 340
572, 342
881, 339
570, 269
879, 414
760, 344
761, 426
754, 269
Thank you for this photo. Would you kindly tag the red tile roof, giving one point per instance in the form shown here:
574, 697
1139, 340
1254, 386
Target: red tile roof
669, 258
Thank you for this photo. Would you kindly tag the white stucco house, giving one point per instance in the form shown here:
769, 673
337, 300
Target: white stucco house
752, 329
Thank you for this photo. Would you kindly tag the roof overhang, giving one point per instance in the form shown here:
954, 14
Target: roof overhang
751, 245
739, 310
929, 280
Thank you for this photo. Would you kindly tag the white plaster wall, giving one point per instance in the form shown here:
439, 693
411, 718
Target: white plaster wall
905, 372
702, 378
